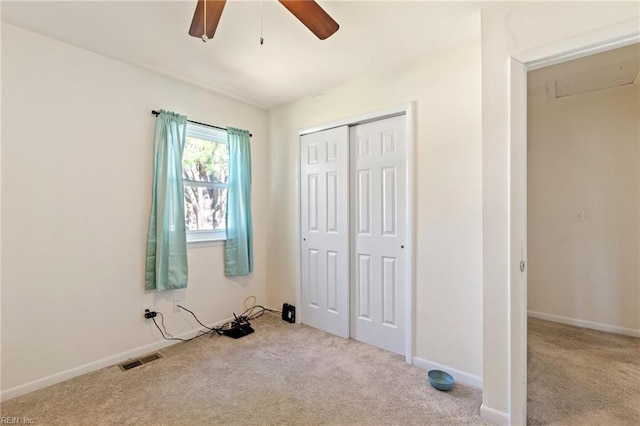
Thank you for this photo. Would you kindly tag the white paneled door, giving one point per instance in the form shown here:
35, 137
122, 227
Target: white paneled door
324, 188
379, 225
354, 224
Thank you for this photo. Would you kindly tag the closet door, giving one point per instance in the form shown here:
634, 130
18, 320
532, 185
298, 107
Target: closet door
324, 188
379, 222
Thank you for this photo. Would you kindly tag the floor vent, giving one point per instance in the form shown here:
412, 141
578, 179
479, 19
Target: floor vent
133, 363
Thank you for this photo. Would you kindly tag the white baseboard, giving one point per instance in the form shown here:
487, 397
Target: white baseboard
585, 324
494, 416
458, 375
96, 365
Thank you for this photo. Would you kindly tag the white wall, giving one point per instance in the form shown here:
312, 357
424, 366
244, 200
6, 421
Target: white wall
507, 30
448, 271
583, 156
77, 171
0, 209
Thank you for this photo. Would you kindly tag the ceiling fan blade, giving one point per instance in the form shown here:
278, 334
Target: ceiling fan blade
214, 11
312, 16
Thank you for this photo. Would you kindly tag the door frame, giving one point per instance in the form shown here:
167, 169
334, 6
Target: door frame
408, 110
620, 35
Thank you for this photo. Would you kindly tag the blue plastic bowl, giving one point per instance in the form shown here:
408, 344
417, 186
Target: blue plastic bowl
440, 380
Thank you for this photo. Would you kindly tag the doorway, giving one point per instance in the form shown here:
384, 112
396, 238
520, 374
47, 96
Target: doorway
583, 227
519, 65
355, 192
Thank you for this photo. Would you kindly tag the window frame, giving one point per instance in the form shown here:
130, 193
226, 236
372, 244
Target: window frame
213, 135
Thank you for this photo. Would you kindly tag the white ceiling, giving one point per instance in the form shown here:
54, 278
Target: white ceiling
290, 65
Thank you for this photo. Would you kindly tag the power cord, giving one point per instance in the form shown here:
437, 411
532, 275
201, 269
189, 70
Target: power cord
165, 333
199, 322
249, 298
243, 319
250, 314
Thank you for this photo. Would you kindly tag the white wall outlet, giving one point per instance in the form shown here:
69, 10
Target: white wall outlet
176, 302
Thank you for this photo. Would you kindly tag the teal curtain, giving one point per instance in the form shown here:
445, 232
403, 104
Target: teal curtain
239, 246
167, 239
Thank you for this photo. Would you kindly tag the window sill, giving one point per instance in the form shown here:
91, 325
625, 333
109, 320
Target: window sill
206, 243
197, 238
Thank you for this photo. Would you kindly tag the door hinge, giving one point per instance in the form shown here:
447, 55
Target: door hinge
522, 266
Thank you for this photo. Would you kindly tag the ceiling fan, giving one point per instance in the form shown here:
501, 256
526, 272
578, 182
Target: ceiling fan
312, 16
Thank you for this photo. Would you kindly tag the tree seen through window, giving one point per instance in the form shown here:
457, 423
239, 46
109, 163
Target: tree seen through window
205, 174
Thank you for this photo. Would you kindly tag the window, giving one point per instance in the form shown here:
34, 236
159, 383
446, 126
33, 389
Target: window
205, 172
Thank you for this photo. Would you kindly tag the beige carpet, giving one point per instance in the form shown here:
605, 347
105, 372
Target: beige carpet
281, 374
578, 376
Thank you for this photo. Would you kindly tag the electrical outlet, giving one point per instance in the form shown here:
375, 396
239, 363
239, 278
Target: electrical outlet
176, 309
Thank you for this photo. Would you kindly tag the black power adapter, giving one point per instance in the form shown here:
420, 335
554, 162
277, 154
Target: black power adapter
238, 331
289, 313
239, 328
150, 314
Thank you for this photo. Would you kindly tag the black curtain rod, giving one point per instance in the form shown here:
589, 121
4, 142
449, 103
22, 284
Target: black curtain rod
156, 113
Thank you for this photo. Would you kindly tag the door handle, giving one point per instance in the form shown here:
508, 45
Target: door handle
522, 266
